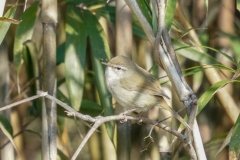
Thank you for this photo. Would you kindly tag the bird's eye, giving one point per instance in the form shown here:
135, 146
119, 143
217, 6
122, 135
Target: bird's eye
118, 68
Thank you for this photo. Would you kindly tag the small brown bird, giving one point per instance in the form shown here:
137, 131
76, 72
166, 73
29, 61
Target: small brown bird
133, 87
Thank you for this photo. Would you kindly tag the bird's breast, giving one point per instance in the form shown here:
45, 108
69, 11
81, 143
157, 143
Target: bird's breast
132, 99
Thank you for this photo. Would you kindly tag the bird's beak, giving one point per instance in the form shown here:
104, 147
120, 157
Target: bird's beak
106, 64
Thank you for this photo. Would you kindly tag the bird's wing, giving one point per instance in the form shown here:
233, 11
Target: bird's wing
145, 83
148, 84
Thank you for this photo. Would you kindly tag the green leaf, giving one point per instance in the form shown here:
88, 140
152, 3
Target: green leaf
7, 129
137, 30
108, 12
30, 61
207, 96
24, 32
4, 26
101, 52
224, 54
193, 70
27, 58
234, 145
196, 69
144, 6
191, 53
86, 3
75, 57
170, 10
91, 108
6, 124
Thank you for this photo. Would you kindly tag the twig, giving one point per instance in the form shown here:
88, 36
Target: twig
150, 137
69, 109
20, 102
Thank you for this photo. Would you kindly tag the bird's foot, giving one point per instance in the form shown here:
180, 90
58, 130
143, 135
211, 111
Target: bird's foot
123, 120
139, 122
124, 117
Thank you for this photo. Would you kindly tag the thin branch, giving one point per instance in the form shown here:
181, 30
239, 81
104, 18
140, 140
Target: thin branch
20, 102
71, 111
150, 137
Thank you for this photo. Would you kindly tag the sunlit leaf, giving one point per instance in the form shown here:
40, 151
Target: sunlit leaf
170, 10
4, 26
75, 57
108, 12
101, 52
24, 32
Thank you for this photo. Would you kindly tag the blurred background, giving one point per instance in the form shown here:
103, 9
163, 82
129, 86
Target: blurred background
205, 35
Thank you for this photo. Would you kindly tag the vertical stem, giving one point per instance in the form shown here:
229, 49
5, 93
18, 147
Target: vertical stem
49, 125
49, 83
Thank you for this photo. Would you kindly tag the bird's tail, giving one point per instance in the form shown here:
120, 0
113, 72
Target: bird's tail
164, 105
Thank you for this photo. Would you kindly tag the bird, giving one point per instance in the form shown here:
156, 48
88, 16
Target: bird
133, 87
